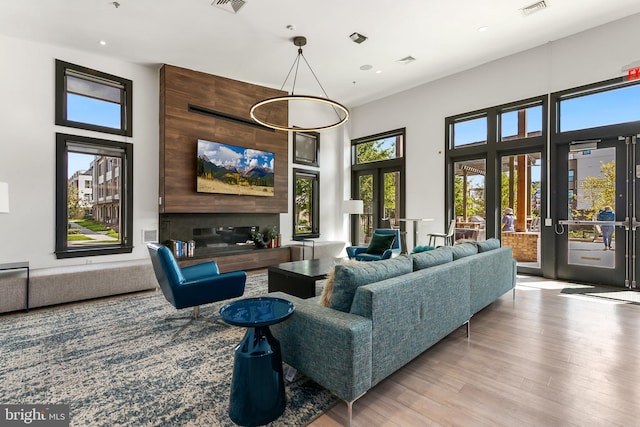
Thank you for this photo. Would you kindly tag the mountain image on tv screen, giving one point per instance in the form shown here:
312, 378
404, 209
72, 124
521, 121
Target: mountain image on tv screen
228, 169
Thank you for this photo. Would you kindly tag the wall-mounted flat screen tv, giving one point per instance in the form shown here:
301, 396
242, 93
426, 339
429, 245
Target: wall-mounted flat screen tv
228, 169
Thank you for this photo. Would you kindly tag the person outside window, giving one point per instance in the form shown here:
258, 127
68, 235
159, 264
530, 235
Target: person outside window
607, 214
508, 220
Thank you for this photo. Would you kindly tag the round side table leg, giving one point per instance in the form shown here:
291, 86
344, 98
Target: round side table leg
257, 388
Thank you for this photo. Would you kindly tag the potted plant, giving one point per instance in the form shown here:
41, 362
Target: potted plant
274, 240
259, 240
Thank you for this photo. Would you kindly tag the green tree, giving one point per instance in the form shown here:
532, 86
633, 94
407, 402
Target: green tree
598, 191
391, 194
74, 210
374, 151
457, 195
200, 167
303, 211
475, 196
504, 191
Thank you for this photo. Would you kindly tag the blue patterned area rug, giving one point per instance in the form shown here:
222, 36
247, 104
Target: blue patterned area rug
114, 362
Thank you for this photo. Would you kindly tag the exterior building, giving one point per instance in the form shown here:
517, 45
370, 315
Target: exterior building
82, 181
106, 202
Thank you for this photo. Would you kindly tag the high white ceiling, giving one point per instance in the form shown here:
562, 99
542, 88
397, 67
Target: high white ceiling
255, 44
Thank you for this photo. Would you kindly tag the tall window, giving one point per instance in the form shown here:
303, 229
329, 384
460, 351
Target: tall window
377, 178
90, 99
306, 203
99, 222
494, 160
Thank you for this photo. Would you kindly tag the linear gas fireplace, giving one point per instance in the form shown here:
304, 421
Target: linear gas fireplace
216, 234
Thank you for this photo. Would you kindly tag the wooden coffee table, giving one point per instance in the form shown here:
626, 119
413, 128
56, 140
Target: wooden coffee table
299, 277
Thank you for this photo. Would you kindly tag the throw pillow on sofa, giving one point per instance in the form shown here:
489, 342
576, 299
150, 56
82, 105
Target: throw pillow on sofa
441, 255
347, 278
380, 243
327, 290
424, 248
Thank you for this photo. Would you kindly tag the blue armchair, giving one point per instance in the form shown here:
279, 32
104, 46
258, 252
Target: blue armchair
360, 252
194, 285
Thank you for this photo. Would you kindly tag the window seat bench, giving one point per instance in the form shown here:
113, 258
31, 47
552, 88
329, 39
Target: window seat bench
58, 285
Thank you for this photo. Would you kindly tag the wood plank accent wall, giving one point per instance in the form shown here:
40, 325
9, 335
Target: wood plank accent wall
180, 130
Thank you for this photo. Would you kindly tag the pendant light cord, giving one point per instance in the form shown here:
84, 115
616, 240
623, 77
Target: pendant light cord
296, 64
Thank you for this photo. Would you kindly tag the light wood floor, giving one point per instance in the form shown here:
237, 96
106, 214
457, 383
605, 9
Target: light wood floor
547, 359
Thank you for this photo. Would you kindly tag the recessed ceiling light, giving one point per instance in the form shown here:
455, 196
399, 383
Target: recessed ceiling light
366, 67
103, 43
483, 28
378, 71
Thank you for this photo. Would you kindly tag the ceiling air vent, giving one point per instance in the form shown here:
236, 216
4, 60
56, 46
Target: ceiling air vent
406, 60
232, 6
532, 8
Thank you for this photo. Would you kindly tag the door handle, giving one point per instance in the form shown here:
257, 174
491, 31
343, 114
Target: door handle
585, 222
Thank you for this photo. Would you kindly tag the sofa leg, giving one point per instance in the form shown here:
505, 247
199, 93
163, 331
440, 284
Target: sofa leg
350, 409
468, 328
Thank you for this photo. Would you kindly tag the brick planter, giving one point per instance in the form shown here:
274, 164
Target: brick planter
523, 244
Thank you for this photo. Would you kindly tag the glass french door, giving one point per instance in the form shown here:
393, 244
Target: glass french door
598, 203
520, 206
469, 189
380, 192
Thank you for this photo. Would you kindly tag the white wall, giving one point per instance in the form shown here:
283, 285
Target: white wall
27, 131
27, 149
588, 57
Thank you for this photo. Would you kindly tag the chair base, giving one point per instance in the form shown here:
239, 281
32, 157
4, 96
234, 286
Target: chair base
193, 317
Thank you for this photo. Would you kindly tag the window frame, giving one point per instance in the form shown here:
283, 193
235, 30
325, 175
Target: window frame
315, 203
610, 130
500, 138
399, 134
451, 133
377, 169
126, 100
126, 203
310, 136
492, 150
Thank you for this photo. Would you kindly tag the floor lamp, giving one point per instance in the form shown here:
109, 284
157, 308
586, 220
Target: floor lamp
353, 207
4, 197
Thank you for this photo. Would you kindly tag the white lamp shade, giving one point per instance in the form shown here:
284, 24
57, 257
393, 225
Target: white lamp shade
4, 197
353, 207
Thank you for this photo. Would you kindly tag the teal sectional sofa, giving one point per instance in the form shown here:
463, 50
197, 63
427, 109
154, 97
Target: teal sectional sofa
383, 314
